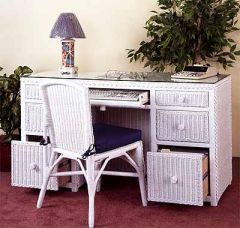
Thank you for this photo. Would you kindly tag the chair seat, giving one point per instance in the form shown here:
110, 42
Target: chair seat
108, 137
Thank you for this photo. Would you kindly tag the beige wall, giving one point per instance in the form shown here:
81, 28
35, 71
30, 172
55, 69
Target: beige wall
111, 26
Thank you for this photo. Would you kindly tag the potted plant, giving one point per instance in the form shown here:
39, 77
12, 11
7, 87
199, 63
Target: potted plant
10, 112
188, 32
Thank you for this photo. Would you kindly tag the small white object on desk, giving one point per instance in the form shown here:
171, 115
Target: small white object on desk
196, 72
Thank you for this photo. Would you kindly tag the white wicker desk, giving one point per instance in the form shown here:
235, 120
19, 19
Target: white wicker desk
179, 114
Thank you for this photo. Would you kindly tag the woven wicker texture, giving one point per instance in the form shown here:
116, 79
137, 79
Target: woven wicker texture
175, 178
188, 99
70, 115
68, 120
182, 126
223, 141
32, 92
179, 114
34, 117
28, 165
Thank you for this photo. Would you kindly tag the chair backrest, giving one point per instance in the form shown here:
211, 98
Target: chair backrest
68, 115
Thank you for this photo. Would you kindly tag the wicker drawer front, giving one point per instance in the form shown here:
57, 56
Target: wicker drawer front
28, 165
176, 178
182, 99
34, 117
32, 91
182, 126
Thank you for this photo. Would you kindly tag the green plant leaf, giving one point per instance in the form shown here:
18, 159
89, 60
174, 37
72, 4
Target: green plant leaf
231, 40
10, 112
185, 32
148, 63
231, 56
237, 52
234, 28
26, 70
233, 48
18, 71
130, 55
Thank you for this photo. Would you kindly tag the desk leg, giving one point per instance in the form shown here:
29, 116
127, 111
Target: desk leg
214, 203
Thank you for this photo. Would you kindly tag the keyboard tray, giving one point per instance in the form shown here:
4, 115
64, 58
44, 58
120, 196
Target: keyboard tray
110, 97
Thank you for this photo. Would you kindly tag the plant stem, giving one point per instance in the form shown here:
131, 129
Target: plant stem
198, 44
174, 6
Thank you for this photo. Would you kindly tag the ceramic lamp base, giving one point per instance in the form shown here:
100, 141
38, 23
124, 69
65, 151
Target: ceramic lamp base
68, 70
68, 57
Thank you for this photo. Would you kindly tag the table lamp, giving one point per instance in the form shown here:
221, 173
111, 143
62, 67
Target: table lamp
67, 27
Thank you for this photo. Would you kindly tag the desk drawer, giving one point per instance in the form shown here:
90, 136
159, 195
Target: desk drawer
34, 117
177, 177
182, 126
28, 165
182, 99
32, 91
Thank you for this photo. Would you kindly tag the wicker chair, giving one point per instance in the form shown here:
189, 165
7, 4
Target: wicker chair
68, 122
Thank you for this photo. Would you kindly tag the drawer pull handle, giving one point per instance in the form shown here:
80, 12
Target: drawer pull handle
174, 179
33, 166
181, 127
181, 99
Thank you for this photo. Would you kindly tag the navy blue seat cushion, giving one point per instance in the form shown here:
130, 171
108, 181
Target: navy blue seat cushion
109, 137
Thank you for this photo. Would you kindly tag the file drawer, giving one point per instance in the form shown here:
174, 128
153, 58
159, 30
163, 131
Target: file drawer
182, 98
177, 177
28, 165
182, 126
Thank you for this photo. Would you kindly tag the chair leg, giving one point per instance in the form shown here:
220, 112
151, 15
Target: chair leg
141, 174
142, 185
43, 189
99, 183
46, 179
91, 190
91, 195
